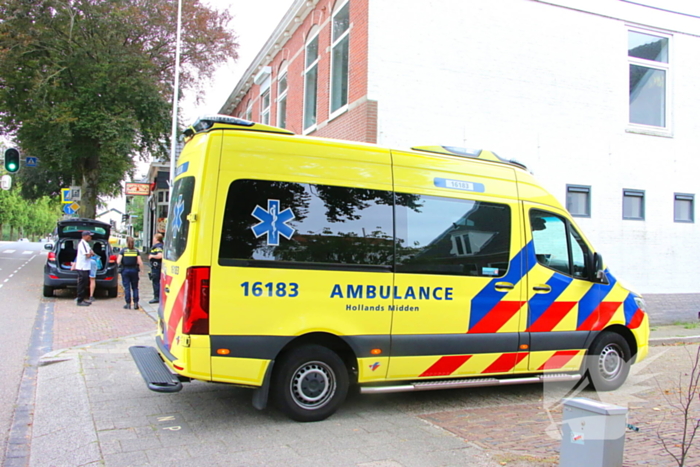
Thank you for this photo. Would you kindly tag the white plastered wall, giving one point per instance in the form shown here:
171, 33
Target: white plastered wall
548, 85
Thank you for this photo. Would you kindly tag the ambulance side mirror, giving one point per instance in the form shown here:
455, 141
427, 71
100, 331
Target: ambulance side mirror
598, 267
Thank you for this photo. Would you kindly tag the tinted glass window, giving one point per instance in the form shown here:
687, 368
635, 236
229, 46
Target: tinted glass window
549, 237
558, 245
178, 226
295, 222
452, 236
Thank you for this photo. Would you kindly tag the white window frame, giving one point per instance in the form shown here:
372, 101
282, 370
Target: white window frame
684, 197
249, 111
282, 96
334, 44
313, 36
631, 193
265, 110
579, 189
667, 68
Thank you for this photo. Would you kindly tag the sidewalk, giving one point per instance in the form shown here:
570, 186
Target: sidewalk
92, 408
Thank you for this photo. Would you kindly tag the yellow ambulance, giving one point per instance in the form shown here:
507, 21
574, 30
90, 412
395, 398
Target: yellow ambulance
302, 266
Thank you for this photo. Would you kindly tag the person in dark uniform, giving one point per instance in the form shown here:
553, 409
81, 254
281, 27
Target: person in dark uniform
131, 263
155, 257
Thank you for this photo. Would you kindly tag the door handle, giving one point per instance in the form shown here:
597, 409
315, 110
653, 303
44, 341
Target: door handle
542, 288
504, 285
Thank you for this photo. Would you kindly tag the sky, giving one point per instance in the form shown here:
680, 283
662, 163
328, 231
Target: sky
253, 22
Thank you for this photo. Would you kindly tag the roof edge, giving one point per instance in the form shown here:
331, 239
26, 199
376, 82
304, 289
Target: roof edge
294, 17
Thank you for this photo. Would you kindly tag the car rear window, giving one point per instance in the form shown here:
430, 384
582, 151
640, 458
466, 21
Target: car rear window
80, 227
178, 225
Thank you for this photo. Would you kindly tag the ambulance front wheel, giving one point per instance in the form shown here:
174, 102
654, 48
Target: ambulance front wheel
310, 383
609, 361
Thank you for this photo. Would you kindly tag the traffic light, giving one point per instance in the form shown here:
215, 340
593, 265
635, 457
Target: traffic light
12, 160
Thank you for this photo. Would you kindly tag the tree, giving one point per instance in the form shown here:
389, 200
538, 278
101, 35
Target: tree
85, 85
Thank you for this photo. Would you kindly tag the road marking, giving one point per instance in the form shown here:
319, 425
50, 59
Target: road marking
8, 251
27, 252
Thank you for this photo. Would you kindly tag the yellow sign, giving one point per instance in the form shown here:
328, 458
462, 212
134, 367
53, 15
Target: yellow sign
75, 206
66, 196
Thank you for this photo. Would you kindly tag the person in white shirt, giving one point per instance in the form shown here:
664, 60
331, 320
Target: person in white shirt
82, 267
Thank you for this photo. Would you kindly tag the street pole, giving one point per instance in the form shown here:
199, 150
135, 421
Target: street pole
176, 88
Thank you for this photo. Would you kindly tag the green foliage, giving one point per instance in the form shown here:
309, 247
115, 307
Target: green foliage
135, 205
85, 85
26, 218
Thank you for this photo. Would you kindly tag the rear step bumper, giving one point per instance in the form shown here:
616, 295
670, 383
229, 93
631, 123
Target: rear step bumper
153, 370
468, 383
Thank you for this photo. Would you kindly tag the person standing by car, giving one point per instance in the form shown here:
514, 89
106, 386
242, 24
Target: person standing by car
131, 263
155, 257
82, 267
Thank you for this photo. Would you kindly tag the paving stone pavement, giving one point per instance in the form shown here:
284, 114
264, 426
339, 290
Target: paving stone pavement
92, 408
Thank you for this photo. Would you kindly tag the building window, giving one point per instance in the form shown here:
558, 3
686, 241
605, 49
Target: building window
339, 58
249, 112
265, 107
633, 205
282, 100
684, 207
310, 82
649, 68
578, 200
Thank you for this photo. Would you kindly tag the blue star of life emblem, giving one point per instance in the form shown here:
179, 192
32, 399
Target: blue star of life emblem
273, 222
177, 215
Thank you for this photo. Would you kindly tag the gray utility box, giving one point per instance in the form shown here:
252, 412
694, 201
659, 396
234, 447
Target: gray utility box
593, 434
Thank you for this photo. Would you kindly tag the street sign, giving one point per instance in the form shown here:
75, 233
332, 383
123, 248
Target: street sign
68, 209
75, 193
31, 161
66, 196
6, 182
75, 207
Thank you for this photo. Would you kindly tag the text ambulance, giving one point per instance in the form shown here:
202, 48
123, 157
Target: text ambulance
300, 266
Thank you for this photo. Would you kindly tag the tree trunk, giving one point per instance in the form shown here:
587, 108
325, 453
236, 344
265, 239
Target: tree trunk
88, 203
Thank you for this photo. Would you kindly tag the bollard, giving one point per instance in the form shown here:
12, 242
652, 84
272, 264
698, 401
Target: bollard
593, 434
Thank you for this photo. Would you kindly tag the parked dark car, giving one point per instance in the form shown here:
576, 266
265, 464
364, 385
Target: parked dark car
57, 272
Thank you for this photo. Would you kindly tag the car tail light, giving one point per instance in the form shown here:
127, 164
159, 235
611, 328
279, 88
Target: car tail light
196, 313
52, 256
113, 258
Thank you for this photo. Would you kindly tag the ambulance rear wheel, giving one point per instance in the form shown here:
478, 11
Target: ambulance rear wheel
310, 383
609, 361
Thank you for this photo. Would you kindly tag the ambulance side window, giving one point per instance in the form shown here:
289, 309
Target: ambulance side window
282, 224
178, 227
558, 245
454, 237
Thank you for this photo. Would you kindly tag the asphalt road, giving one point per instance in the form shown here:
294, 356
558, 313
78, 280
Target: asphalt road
21, 269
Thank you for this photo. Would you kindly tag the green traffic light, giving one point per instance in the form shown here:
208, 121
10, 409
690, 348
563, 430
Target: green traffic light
12, 160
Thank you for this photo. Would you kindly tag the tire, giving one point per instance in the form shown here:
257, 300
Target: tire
609, 361
112, 293
48, 291
310, 383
